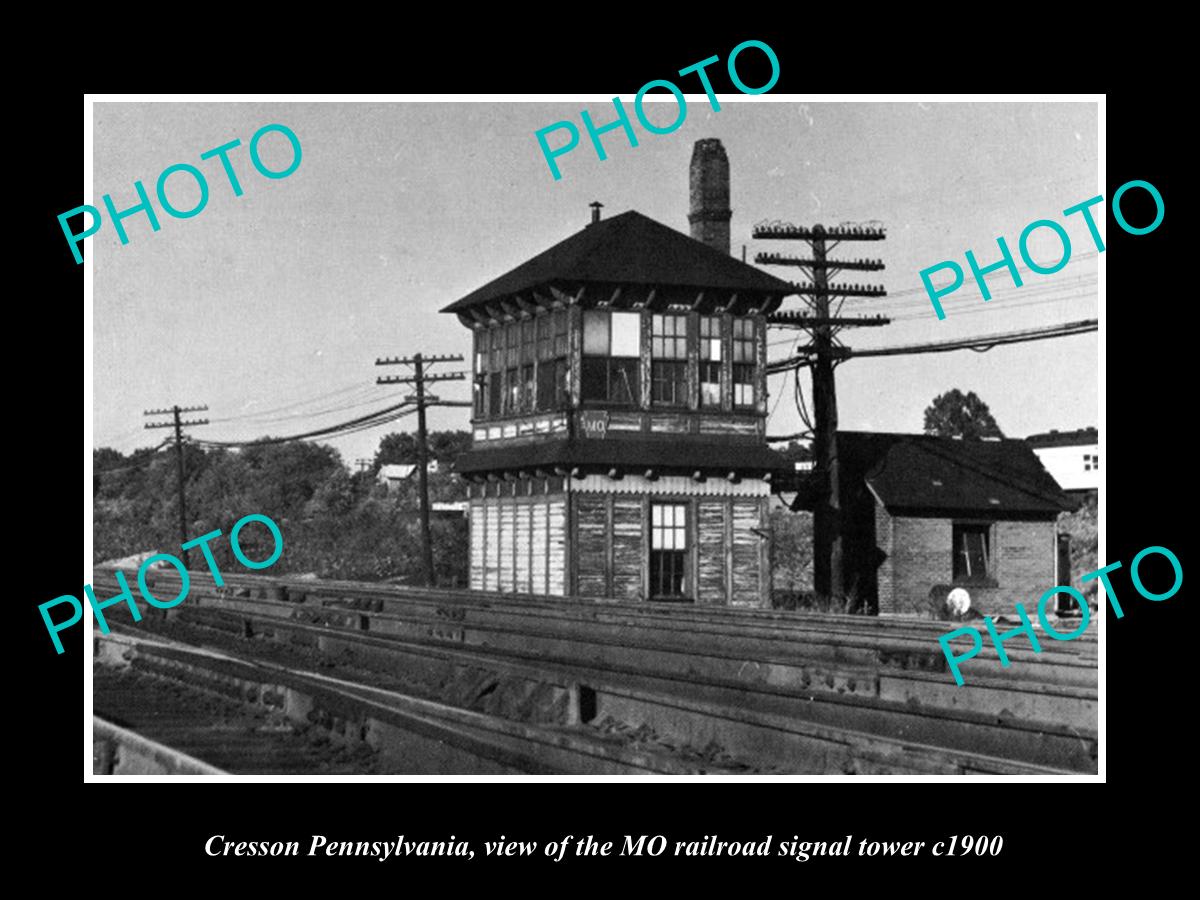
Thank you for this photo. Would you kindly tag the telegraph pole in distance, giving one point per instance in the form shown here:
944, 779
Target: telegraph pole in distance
421, 377
178, 424
823, 325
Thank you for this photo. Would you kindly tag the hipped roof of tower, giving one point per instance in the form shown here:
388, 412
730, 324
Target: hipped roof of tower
627, 261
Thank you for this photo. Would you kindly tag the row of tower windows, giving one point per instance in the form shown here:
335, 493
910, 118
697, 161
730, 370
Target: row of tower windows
522, 367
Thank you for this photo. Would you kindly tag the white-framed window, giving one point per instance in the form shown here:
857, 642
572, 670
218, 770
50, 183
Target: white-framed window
668, 551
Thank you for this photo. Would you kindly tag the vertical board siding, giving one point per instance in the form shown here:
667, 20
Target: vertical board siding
475, 524
746, 586
506, 544
556, 519
591, 551
491, 543
628, 548
711, 547
522, 563
538, 547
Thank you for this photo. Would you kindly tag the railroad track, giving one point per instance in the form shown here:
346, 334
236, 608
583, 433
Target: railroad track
119, 751
767, 690
251, 716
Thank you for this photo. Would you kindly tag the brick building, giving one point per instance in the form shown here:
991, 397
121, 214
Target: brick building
619, 415
922, 515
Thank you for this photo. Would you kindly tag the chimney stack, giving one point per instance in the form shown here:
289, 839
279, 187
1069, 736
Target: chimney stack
709, 189
596, 206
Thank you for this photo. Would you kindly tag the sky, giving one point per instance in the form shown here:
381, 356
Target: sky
272, 307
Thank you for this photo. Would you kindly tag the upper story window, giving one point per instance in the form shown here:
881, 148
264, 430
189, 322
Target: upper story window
524, 367
495, 377
745, 360
552, 361
668, 360
710, 361
611, 356
512, 373
521, 367
528, 333
478, 384
1091, 462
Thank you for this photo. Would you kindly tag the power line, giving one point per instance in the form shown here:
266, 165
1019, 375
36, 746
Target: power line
369, 419
354, 388
984, 306
921, 290
374, 396
979, 343
984, 343
963, 312
1076, 284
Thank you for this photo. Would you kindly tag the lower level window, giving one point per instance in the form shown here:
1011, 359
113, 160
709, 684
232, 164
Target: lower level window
668, 551
972, 552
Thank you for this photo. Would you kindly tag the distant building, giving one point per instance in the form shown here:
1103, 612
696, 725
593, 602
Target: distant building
1072, 457
395, 474
923, 515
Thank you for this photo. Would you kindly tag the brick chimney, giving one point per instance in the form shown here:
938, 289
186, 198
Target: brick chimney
709, 189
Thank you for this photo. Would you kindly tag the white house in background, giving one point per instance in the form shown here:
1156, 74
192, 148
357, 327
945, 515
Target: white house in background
395, 474
1072, 457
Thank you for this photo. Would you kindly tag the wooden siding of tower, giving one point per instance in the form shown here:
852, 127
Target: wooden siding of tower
518, 541
729, 562
710, 545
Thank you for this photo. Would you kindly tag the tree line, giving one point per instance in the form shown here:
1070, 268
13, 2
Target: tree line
335, 524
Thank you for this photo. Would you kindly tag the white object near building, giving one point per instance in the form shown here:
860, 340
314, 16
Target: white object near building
959, 601
1071, 457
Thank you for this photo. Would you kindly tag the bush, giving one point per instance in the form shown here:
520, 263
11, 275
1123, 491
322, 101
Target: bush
1082, 526
791, 551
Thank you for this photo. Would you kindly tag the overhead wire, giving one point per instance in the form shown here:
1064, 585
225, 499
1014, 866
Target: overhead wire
349, 389
375, 397
378, 417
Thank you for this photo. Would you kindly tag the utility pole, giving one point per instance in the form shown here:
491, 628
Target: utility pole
178, 424
823, 325
421, 377
363, 464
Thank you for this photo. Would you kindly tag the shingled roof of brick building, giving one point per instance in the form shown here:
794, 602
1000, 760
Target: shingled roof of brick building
924, 474
630, 248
